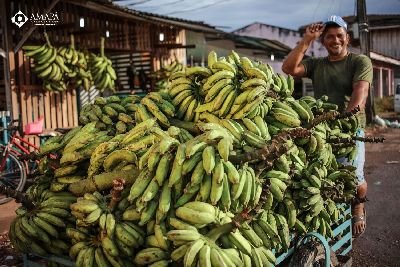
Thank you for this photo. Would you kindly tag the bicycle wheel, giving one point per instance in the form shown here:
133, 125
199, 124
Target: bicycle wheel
13, 174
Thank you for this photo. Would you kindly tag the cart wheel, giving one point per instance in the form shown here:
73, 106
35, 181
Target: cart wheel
311, 254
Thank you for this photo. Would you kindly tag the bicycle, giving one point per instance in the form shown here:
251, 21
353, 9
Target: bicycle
16, 161
17, 164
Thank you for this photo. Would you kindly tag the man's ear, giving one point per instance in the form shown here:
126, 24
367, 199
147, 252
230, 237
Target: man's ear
348, 37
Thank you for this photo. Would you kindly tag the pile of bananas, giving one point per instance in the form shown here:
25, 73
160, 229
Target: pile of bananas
202, 186
59, 67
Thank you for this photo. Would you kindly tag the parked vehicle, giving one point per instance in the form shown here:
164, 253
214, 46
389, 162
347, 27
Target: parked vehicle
397, 98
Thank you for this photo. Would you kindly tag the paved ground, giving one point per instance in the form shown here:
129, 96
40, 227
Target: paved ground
6, 215
380, 244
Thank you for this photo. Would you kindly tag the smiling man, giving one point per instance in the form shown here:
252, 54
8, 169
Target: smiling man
338, 75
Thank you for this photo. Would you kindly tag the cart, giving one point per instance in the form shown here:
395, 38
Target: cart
311, 249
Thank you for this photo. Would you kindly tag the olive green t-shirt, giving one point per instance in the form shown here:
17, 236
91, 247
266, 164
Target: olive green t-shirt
335, 78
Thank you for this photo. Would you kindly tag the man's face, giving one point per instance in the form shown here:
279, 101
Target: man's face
335, 41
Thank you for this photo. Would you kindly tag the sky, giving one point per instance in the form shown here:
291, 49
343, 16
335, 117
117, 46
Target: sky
229, 15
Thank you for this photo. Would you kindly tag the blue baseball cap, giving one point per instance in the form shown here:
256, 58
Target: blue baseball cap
336, 20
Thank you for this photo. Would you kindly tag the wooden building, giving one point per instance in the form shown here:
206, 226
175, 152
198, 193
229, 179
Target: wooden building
385, 50
133, 38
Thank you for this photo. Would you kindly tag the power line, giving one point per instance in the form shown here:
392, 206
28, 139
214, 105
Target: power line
130, 2
315, 10
197, 8
355, 8
331, 8
138, 3
160, 5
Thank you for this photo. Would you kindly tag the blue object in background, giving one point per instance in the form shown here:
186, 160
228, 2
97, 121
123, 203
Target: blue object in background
5, 119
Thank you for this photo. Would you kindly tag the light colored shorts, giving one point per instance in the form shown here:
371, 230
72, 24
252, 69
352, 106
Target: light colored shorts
359, 160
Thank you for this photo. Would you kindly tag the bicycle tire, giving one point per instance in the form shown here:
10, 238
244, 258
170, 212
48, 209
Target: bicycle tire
17, 183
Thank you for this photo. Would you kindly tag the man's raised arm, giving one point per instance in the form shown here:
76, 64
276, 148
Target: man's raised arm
292, 64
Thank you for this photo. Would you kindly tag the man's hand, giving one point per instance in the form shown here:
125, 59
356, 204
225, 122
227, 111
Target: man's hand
292, 64
314, 31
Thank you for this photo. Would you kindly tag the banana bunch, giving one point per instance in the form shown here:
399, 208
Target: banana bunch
247, 133
41, 229
155, 105
75, 155
103, 73
203, 253
55, 165
345, 183
319, 106
91, 209
188, 200
162, 75
184, 90
49, 65
93, 247
101, 236
237, 245
77, 62
344, 129
273, 230
111, 111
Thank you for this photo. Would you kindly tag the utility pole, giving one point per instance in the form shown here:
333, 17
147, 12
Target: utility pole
362, 20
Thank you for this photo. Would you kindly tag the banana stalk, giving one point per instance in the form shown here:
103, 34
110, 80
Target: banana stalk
332, 115
271, 151
18, 196
102, 182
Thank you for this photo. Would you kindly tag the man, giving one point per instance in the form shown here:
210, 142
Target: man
339, 74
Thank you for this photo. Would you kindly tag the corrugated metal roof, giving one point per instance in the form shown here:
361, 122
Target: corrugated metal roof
199, 26
383, 58
374, 20
377, 19
263, 24
258, 43
161, 19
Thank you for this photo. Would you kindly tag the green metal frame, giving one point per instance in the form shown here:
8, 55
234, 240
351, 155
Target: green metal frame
345, 241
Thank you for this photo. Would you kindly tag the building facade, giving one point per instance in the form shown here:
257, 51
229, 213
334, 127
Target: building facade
385, 50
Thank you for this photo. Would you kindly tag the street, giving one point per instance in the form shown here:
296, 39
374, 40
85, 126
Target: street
380, 244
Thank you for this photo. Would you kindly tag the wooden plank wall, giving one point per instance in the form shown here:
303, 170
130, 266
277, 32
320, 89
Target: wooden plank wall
3, 104
59, 110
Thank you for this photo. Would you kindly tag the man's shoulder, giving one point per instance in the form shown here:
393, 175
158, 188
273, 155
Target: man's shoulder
360, 58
